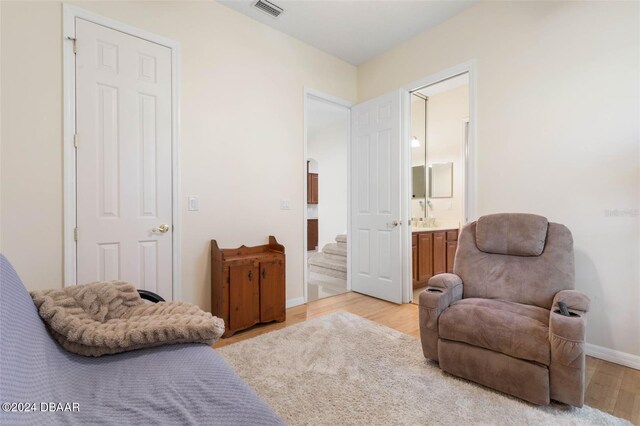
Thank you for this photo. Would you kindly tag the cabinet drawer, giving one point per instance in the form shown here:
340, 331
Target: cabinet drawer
452, 235
414, 240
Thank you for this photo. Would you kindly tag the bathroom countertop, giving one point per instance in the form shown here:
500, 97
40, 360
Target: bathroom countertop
443, 227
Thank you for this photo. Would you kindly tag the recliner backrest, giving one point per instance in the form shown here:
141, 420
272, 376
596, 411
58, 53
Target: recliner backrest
524, 259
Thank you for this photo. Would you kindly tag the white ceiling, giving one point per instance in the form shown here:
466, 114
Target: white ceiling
354, 31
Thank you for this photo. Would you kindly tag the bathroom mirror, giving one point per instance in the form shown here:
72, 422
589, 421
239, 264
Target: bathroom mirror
441, 180
418, 143
418, 186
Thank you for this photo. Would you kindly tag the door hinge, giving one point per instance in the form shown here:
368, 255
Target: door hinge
75, 44
75, 140
75, 234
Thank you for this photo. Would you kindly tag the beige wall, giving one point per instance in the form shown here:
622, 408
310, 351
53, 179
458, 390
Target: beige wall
242, 132
558, 130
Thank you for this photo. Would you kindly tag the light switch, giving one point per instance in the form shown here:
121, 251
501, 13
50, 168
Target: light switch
284, 204
192, 204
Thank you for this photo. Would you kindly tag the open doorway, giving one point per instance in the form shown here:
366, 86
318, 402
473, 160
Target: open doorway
439, 140
328, 127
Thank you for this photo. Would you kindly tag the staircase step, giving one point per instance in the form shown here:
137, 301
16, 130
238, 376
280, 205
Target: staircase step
329, 272
340, 258
335, 249
321, 261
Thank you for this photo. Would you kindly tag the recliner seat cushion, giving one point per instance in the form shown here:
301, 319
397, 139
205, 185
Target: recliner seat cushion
514, 329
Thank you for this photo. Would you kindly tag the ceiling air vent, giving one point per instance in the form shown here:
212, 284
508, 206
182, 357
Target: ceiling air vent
268, 8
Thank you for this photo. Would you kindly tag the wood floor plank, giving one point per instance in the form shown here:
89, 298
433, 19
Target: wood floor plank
609, 387
590, 369
625, 405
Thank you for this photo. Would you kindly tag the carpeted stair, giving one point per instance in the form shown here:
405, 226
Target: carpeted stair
328, 268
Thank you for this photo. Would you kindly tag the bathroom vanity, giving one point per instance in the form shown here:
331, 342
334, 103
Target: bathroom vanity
433, 252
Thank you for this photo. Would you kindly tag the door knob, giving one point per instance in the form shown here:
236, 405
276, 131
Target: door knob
162, 228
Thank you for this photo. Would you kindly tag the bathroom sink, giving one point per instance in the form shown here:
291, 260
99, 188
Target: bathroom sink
434, 226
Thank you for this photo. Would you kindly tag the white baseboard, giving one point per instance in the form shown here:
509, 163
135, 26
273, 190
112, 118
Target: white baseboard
622, 358
295, 302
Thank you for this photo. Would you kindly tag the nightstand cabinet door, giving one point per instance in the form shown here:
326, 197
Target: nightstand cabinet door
272, 290
244, 296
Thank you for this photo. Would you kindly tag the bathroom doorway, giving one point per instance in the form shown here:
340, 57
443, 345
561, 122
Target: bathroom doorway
439, 147
327, 136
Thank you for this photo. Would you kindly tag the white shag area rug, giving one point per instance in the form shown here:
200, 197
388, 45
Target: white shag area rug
342, 369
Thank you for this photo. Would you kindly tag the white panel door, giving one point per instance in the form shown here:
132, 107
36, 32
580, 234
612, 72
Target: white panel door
375, 192
123, 104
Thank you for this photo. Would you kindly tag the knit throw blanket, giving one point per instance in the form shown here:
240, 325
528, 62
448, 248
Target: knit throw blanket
108, 317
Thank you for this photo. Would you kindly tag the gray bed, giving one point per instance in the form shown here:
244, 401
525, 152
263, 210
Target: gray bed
178, 384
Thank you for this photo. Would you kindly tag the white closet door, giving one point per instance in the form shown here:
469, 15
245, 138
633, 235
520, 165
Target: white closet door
375, 169
123, 104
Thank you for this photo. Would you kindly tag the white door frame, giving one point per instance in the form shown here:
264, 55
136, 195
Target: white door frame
308, 92
470, 200
69, 14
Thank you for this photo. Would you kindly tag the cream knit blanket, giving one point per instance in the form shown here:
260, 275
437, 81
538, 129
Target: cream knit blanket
108, 317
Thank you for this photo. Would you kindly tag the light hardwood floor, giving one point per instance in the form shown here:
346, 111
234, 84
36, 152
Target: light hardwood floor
610, 387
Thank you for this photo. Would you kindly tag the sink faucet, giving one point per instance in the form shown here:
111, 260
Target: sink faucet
431, 221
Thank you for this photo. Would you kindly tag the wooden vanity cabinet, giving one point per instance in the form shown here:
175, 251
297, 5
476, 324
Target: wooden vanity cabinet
312, 234
248, 285
312, 188
433, 253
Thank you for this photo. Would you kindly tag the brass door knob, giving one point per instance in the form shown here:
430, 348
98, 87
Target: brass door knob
162, 228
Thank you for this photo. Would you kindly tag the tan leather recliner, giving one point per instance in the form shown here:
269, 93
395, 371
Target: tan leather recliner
495, 321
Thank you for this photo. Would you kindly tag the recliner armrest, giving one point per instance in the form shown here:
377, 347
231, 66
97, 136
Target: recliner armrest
442, 291
567, 340
448, 281
567, 334
574, 299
